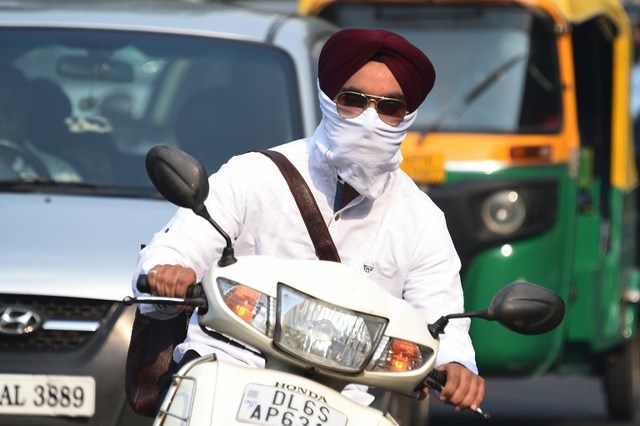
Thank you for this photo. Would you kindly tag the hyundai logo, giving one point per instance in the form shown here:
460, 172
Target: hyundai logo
16, 320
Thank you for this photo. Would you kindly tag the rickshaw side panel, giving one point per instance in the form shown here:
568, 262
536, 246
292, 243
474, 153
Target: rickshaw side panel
486, 268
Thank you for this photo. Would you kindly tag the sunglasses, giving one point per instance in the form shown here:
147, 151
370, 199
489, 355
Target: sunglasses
352, 104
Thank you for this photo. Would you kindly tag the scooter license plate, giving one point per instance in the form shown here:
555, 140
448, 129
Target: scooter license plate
269, 405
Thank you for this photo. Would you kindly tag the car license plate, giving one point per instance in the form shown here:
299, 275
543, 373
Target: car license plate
269, 405
42, 395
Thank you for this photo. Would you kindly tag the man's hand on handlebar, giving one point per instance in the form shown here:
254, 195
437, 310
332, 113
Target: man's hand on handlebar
171, 281
463, 389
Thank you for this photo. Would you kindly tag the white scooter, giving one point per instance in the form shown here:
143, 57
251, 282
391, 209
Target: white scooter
319, 325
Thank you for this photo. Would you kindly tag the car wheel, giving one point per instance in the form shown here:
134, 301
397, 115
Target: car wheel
622, 380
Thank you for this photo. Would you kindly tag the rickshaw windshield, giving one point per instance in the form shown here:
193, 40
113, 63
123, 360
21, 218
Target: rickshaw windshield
496, 66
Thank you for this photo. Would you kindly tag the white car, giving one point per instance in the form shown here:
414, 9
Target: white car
86, 88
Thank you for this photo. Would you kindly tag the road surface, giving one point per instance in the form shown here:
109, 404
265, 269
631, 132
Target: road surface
544, 401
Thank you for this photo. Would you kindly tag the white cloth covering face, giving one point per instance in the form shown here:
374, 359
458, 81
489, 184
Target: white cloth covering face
364, 150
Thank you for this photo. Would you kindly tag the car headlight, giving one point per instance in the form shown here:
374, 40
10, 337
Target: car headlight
503, 212
328, 335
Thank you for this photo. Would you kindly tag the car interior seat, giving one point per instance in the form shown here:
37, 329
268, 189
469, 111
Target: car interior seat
56, 131
212, 127
48, 111
47, 131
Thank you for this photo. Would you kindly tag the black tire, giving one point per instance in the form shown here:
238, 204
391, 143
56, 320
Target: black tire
622, 380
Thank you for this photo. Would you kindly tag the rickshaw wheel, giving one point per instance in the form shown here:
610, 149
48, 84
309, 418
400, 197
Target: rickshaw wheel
622, 380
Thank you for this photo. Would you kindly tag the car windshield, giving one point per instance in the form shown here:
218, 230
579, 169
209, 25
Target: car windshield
496, 66
80, 108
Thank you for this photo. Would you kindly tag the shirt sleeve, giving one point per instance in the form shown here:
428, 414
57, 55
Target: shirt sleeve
433, 287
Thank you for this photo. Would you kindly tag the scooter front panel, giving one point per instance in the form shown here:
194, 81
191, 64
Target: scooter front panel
208, 392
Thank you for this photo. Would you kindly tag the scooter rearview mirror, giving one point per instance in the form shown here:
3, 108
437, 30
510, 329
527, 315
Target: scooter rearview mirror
526, 308
179, 177
182, 180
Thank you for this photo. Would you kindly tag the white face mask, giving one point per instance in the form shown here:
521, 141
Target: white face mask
364, 150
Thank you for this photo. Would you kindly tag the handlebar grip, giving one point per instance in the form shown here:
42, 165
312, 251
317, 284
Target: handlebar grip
142, 284
436, 380
193, 291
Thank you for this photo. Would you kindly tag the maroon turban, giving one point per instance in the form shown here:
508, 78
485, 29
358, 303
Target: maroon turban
348, 50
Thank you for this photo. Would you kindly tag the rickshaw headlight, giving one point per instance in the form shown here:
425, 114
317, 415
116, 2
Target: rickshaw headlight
503, 212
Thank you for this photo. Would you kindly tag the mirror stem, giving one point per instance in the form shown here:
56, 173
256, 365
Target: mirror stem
437, 328
228, 257
475, 314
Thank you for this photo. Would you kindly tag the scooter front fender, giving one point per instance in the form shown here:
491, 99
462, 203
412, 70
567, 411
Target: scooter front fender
210, 392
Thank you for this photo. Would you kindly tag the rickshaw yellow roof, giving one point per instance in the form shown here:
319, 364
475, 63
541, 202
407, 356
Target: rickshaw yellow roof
583, 10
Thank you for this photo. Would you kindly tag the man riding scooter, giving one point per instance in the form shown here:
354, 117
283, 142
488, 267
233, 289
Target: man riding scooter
371, 83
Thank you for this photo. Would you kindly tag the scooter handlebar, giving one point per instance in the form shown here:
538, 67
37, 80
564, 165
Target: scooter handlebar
193, 291
142, 284
437, 380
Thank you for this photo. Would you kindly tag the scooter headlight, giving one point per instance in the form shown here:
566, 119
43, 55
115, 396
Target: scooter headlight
328, 335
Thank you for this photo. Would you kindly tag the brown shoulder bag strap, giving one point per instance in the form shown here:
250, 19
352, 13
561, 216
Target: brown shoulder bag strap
318, 231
